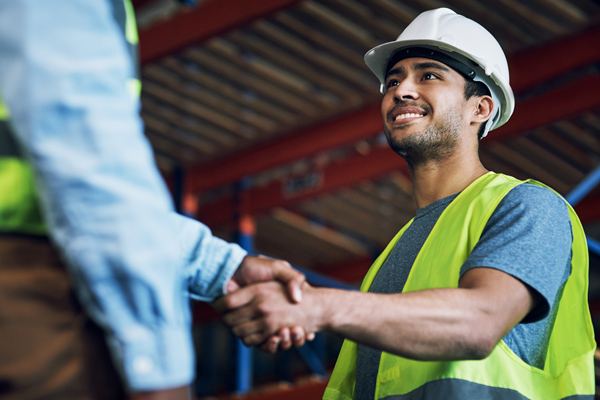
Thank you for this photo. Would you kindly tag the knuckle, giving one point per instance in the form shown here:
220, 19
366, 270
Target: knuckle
228, 302
281, 264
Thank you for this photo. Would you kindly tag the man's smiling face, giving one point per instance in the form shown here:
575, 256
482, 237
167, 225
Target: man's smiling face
424, 109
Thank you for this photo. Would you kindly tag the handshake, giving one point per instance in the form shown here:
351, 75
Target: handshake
269, 305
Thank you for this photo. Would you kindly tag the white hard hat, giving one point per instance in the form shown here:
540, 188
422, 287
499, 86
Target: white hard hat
453, 38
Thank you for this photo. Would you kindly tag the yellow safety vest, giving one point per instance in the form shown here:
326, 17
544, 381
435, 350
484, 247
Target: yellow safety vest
19, 211
19, 206
569, 367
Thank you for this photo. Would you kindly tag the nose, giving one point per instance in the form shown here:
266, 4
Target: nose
405, 90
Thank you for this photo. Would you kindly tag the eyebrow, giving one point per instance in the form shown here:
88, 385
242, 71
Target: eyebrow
417, 67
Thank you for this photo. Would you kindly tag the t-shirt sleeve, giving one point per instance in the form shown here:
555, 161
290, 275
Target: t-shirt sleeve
528, 236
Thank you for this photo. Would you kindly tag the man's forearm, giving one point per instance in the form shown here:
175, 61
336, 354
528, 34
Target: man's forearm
437, 324
426, 325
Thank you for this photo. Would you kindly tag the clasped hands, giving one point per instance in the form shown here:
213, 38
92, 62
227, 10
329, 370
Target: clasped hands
264, 305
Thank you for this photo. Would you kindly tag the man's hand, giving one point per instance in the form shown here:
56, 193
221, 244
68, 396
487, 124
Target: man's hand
258, 312
262, 269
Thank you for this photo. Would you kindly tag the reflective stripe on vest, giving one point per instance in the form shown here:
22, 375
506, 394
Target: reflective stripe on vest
457, 389
569, 369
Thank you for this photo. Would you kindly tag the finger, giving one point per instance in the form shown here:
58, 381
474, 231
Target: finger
271, 345
234, 300
238, 317
252, 328
310, 336
231, 286
298, 336
274, 342
286, 341
291, 277
254, 340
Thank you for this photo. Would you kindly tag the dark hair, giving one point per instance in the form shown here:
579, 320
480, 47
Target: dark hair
476, 88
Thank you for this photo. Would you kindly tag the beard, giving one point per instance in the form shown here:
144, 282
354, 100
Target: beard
435, 144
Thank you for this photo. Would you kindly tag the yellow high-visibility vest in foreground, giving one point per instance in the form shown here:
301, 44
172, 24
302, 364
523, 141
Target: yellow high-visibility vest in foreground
569, 367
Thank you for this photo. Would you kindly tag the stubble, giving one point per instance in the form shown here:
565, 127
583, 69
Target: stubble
434, 145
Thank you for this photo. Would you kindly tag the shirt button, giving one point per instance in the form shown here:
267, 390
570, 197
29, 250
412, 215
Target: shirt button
143, 364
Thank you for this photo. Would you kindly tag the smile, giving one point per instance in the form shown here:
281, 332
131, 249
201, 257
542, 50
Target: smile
408, 115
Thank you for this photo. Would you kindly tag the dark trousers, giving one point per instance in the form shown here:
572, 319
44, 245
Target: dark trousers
49, 348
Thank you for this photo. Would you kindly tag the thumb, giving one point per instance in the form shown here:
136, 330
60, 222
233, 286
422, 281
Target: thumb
290, 277
294, 287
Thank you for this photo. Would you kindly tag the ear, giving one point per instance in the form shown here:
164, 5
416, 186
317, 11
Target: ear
484, 106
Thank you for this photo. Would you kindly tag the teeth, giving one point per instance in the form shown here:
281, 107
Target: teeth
408, 115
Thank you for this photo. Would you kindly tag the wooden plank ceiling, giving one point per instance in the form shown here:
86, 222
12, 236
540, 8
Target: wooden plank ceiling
279, 101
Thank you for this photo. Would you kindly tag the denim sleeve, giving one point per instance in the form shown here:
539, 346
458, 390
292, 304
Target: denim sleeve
209, 262
528, 236
63, 74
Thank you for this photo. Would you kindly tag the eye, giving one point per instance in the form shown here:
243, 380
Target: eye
390, 83
428, 76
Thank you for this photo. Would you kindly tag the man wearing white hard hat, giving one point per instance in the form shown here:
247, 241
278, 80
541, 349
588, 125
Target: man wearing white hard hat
483, 295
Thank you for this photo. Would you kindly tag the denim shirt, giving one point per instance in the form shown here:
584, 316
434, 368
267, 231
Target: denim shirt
63, 73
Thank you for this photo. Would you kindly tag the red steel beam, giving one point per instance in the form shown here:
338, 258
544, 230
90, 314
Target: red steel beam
347, 129
527, 68
541, 64
209, 19
379, 161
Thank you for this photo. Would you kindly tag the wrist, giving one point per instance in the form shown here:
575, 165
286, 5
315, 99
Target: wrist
319, 304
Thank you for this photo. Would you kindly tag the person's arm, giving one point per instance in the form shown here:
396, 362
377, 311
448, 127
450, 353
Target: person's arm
63, 75
213, 267
438, 324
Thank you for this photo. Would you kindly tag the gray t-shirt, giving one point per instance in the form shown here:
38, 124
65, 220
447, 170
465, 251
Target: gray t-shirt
528, 236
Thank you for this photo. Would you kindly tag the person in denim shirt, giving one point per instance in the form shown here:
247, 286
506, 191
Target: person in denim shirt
130, 258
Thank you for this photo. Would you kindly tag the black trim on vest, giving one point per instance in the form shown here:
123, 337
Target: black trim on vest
580, 397
8, 144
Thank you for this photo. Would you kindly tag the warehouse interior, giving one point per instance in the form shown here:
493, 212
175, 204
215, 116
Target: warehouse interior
265, 123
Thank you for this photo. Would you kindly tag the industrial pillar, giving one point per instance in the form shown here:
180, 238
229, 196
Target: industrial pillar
246, 230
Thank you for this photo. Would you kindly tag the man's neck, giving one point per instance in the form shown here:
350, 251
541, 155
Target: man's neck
433, 181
